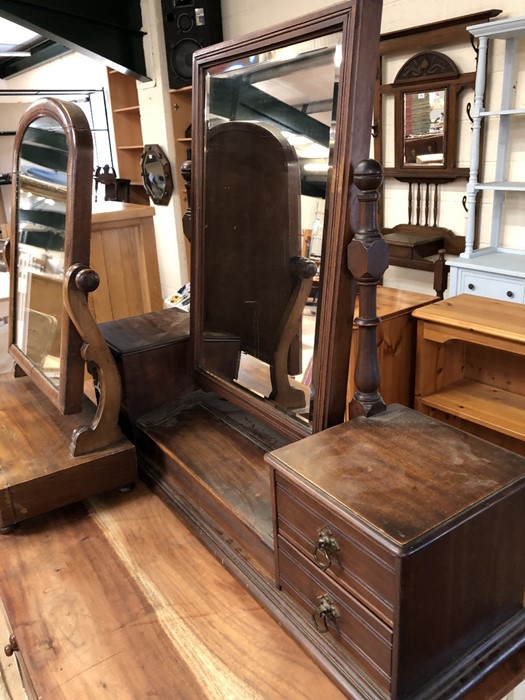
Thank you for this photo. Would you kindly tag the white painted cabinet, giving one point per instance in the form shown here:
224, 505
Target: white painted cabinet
495, 269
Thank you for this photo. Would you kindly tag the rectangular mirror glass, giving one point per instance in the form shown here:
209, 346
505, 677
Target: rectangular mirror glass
269, 121
424, 128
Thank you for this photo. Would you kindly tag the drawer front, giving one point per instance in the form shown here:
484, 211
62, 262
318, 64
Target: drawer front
354, 629
359, 565
493, 286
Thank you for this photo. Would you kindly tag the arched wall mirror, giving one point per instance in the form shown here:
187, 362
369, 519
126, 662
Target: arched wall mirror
426, 93
272, 210
52, 176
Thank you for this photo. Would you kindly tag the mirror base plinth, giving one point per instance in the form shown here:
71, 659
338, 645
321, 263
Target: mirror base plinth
38, 472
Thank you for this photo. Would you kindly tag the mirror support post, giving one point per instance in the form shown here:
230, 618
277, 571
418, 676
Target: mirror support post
367, 261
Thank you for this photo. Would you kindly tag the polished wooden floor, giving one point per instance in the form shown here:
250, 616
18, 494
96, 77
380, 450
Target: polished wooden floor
117, 599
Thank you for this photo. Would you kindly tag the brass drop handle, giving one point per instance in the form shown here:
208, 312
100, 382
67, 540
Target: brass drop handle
325, 547
325, 612
10, 648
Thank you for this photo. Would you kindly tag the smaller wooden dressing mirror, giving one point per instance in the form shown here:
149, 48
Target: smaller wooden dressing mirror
51, 230
49, 460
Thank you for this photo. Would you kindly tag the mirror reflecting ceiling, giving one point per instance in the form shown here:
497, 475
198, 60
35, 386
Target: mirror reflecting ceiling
270, 121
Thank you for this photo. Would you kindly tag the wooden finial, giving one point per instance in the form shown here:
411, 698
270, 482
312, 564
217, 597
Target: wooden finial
185, 171
367, 261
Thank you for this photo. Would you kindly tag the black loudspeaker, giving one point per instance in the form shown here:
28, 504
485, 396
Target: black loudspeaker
188, 25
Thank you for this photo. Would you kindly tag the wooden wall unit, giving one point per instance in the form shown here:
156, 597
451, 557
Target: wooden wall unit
180, 101
470, 367
124, 254
125, 109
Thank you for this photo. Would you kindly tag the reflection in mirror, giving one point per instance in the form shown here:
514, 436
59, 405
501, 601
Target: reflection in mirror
40, 245
156, 174
270, 126
424, 128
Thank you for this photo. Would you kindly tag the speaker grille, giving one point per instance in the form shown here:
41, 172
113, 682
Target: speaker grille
181, 58
185, 23
186, 29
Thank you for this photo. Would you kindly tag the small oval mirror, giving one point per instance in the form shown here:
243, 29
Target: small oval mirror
156, 174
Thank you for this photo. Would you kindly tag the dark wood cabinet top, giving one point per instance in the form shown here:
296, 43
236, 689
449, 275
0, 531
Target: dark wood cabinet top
147, 331
403, 474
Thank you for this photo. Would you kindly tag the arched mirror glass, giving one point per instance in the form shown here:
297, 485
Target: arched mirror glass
47, 200
41, 216
270, 132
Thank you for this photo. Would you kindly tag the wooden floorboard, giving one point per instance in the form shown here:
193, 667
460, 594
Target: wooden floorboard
118, 599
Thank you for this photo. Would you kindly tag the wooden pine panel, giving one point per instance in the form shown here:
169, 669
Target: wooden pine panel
501, 320
124, 254
504, 370
99, 300
146, 252
485, 405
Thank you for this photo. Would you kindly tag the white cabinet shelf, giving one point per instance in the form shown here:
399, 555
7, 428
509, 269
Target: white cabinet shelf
503, 185
492, 269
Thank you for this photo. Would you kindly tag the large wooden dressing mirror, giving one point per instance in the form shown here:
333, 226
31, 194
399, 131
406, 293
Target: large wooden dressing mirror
273, 208
51, 231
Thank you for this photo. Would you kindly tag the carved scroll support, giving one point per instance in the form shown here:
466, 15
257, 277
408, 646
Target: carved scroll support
303, 271
367, 261
103, 430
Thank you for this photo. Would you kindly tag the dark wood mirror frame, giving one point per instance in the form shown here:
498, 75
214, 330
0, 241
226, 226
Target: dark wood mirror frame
351, 145
68, 396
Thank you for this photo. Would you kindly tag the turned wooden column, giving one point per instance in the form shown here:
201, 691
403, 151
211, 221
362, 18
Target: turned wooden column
185, 171
367, 261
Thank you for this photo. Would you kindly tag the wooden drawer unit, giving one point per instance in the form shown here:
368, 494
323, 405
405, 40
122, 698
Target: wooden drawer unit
500, 287
337, 614
398, 541
359, 563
